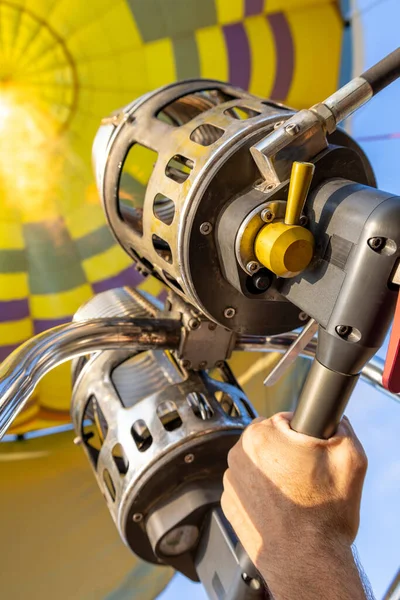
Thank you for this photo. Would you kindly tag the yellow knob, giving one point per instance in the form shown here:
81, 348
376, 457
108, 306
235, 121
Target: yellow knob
286, 250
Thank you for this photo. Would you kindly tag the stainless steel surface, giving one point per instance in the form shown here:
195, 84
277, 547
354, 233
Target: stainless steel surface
164, 435
348, 99
300, 138
303, 136
23, 369
292, 353
322, 401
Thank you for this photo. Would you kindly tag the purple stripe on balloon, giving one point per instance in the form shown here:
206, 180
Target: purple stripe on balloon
12, 310
253, 7
162, 296
6, 350
40, 325
129, 276
238, 55
284, 55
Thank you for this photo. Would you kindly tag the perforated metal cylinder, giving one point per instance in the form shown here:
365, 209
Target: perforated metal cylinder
191, 141
148, 427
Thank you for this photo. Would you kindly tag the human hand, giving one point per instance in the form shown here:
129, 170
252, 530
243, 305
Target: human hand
292, 498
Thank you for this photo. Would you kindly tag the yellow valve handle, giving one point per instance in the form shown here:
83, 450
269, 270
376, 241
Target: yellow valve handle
300, 181
286, 248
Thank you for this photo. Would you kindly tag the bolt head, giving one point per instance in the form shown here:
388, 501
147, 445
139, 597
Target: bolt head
229, 312
303, 220
186, 364
252, 267
267, 216
194, 324
137, 517
203, 364
205, 228
278, 124
189, 458
343, 330
77, 440
292, 129
303, 316
376, 243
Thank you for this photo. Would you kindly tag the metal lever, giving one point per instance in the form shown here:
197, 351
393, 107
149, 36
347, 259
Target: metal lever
292, 353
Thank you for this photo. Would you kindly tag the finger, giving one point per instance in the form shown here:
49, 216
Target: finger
258, 420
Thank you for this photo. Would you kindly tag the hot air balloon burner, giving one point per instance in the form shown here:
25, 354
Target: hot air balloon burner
220, 172
157, 437
200, 132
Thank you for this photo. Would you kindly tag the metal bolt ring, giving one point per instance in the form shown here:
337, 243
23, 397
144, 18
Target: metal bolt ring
194, 324
252, 267
205, 228
267, 215
229, 312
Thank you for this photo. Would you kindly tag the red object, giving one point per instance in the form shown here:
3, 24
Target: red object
391, 372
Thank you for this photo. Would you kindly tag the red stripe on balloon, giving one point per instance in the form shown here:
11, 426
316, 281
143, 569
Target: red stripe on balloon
13, 310
284, 47
239, 56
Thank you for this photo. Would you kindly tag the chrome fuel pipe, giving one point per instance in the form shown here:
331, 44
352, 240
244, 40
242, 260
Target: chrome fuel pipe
24, 368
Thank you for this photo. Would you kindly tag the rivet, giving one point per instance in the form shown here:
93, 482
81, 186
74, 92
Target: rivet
229, 312
189, 458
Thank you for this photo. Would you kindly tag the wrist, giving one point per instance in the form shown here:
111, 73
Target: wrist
313, 569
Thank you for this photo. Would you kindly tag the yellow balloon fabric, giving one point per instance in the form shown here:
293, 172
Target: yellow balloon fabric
58, 538
65, 64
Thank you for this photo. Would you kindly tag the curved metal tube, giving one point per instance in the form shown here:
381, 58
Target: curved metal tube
23, 369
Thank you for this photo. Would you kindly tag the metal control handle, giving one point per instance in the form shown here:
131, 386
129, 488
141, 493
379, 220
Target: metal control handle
323, 400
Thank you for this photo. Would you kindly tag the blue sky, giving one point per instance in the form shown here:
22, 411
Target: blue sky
375, 417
